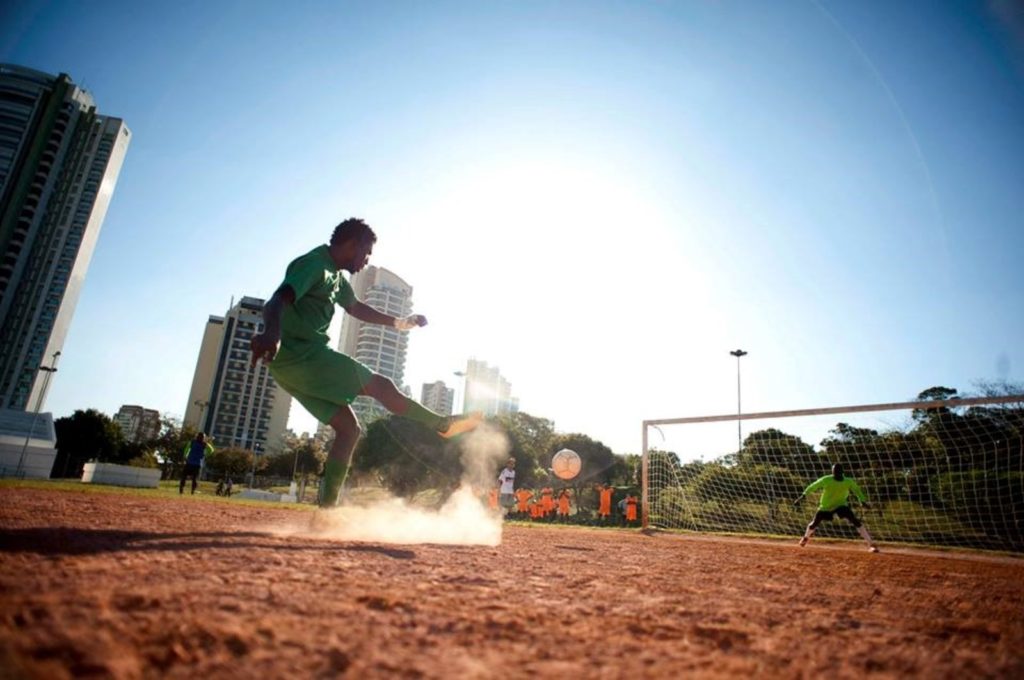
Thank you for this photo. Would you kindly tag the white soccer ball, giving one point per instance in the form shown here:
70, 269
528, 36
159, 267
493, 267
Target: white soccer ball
566, 464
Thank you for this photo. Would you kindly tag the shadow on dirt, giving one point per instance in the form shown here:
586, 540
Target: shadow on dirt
65, 541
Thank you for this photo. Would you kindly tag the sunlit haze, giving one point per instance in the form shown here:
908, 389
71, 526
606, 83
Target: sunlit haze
602, 199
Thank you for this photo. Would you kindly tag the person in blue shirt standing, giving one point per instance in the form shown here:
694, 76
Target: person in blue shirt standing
194, 452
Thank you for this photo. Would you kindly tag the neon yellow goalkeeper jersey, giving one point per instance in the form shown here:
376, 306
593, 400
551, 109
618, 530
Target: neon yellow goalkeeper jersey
835, 492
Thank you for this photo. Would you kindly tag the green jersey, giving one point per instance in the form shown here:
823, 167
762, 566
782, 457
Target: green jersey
318, 286
835, 492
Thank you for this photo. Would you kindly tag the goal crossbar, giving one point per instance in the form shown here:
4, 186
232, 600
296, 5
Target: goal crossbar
864, 408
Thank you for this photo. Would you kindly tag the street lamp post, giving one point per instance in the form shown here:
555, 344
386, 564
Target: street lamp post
739, 406
459, 374
255, 453
200, 425
49, 370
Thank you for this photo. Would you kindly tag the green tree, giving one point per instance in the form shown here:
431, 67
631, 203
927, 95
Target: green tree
84, 436
599, 461
626, 470
776, 448
406, 457
231, 462
529, 440
169, 446
856, 448
301, 455
937, 393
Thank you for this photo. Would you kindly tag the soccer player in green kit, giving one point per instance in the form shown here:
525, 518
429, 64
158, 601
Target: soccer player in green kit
294, 343
835, 489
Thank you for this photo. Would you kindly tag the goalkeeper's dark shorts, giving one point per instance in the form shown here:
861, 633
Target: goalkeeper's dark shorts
842, 511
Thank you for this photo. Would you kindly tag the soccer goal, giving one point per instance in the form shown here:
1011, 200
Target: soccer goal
935, 472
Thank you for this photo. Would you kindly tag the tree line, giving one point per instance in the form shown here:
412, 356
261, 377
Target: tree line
90, 435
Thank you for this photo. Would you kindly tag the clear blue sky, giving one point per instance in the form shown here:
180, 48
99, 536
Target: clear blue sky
600, 198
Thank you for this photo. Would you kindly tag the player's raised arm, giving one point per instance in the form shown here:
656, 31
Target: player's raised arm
365, 312
264, 345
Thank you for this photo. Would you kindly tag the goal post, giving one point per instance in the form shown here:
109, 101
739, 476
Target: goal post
942, 472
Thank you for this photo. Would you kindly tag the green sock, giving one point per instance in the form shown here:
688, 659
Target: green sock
332, 483
422, 414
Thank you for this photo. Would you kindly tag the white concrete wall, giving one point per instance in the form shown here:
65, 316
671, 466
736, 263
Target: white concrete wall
121, 475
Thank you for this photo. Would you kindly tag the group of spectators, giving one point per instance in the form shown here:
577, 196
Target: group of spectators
551, 504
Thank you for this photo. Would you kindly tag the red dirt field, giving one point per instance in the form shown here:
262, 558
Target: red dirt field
128, 586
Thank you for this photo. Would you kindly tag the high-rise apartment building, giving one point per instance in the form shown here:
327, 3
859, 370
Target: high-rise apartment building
381, 348
59, 163
487, 391
237, 404
138, 424
438, 397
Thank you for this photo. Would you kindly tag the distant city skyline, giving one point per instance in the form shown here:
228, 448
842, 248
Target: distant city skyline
602, 198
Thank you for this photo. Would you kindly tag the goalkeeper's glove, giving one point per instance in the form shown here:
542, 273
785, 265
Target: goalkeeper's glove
410, 322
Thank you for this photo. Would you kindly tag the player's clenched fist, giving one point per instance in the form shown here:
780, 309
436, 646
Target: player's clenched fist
263, 347
410, 322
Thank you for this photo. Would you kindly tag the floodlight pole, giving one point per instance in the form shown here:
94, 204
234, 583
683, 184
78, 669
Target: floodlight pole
739, 406
49, 370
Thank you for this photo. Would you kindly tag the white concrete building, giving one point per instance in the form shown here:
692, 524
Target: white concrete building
138, 424
59, 164
28, 444
438, 397
381, 348
237, 404
487, 391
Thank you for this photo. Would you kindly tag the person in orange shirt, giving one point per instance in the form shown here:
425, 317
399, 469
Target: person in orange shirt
536, 511
604, 511
547, 500
631, 503
523, 497
492, 499
563, 504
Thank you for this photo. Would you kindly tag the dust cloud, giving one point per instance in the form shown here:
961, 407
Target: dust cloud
462, 520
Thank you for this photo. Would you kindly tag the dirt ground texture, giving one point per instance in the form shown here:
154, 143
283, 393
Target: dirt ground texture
126, 586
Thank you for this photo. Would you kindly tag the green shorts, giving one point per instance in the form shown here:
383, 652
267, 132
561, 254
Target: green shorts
321, 379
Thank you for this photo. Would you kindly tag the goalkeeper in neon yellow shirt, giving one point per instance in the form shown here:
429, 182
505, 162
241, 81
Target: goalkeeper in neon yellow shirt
835, 490
294, 344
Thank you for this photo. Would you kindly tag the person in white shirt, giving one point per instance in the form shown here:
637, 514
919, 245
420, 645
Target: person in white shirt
507, 484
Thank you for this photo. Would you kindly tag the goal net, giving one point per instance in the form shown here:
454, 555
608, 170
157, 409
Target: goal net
935, 472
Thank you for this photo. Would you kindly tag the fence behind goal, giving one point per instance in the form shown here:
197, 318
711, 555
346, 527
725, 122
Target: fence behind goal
938, 472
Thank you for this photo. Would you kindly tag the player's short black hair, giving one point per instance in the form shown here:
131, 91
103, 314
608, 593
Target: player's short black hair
353, 228
837, 470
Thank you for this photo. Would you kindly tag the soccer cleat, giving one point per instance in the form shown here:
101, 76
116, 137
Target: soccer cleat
456, 426
872, 549
803, 541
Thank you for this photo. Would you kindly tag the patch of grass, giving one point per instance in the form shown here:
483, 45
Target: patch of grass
168, 490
